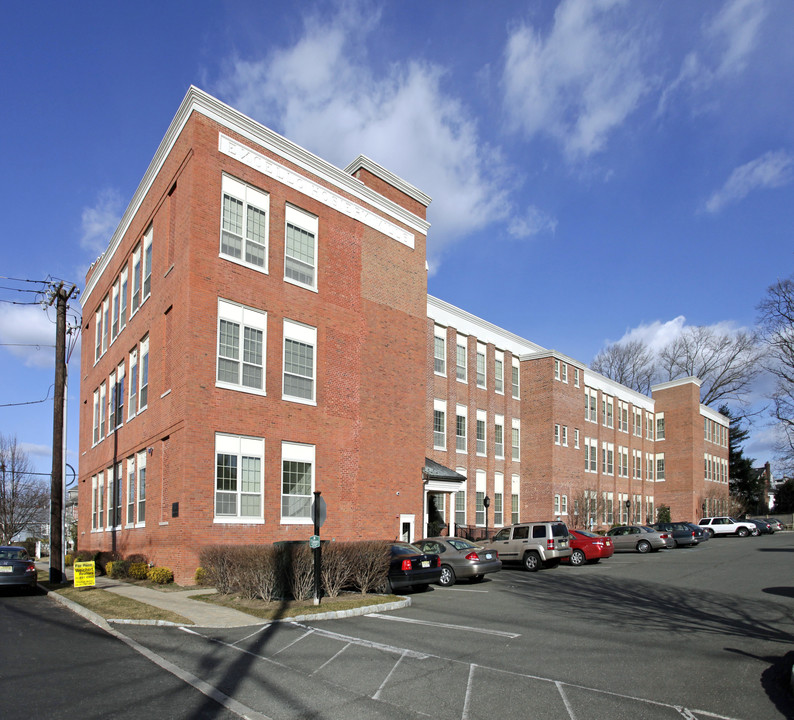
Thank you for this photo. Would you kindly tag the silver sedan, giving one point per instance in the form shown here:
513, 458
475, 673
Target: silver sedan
460, 558
637, 538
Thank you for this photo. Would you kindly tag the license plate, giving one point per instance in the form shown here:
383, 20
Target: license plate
488, 556
6, 568
425, 563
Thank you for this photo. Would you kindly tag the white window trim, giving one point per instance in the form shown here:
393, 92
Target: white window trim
143, 353
499, 421
296, 452
253, 197
482, 416
462, 411
462, 342
310, 223
140, 465
239, 445
499, 362
306, 334
440, 333
440, 406
245, 317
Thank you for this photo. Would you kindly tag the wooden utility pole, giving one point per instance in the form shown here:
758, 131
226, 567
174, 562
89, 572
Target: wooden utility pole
57, 575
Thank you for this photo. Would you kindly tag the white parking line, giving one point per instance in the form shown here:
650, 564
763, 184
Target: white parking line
376, 696
296, 640
393, 618
564, 697
465, 715
331, 659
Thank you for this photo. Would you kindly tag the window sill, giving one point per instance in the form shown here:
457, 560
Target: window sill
238, 521
242, 263
240, 388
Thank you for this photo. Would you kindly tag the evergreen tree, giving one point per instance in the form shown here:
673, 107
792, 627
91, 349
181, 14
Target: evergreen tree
784, 497
747, 486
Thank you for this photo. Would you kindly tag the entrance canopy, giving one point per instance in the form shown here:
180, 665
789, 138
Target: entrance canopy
439, 478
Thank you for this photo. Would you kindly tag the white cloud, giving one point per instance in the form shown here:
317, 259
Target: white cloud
771, 170
657, 334
578, 83
28, 333
322, 93
533, 222
100, 221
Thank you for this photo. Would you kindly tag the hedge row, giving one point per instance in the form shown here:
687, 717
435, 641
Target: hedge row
283, 571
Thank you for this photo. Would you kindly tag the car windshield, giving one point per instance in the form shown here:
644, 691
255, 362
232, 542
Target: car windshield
585, 533
461, 544
11, 553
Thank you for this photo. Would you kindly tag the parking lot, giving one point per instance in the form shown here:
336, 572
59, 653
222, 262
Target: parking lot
702, 632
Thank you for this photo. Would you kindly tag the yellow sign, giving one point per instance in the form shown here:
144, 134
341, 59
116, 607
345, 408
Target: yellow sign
84, 574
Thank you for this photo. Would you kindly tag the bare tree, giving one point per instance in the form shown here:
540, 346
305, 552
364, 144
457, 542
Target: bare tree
22, 496
726, 363
777, 323
630, 363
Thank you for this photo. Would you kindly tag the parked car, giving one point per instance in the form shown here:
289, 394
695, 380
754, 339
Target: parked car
534, 544
587, 547
701, 535
637, 538
775, 523
726, 526
17, 569
763, 527
682, 533
460, 558
410, 567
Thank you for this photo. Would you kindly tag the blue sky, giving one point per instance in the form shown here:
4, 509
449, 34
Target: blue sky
597, 168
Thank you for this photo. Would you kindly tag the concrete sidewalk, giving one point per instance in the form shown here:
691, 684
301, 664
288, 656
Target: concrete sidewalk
205, 614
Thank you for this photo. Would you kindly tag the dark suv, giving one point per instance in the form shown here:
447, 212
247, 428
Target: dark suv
534, 544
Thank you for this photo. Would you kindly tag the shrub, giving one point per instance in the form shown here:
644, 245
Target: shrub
336, 567
117, 569
138, 570
369, 565
160, 575
200, 577
296, 566
137, 558
102, 558
69, 560
222, 565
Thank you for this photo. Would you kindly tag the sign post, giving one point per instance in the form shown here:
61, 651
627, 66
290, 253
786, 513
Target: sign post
318, 516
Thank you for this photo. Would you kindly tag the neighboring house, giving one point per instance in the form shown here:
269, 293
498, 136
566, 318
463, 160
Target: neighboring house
259, 330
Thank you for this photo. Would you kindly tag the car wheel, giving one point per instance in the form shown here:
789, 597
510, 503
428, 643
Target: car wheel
477, 578
675, 544
447, 576
742, 532
709, 532
578, 558
755, 531
643, 546
532, 561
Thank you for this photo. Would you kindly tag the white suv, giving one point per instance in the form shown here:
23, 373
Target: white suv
726, 526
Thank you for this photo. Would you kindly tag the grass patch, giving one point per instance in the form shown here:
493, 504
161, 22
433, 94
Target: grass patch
290, 608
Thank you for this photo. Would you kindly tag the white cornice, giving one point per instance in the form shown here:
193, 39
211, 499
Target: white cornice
196, 100
467, 324
362, 161
676, 383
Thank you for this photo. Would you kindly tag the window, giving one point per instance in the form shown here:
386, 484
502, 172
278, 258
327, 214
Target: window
564, 372
649, 466
556, 434
623, 460
564, 504
131, 494
516, 485
498, 499
136, 280
93, 502
439, 425
479, 507
461, 359
607, 458
556, 369
300, 252
637, 423
481, 432
607, 411
556, 504
660, 467
105, 323
114, 311
590, 455
133, 396
498, 436
143, 392
244, 226
100, 501
440, 351
590, 404
516, 388
102, 410
141, 487
112, 403
117, 496
660, 426
480, 365
300, 362
119, 399
460, 506
636, 460
576, 377
123, 299
239, 478
241, 341
297, 482
461, 444
147, 264
498, 373
649, 426
576, 438
565, 436
96, 416
98, 334
623, 419
516, 439
608, 509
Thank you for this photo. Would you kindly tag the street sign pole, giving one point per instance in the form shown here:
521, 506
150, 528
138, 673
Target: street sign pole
316, 542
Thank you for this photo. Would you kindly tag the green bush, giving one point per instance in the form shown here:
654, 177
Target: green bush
117, 569
69, 560
201, 577
138, 570
160, 575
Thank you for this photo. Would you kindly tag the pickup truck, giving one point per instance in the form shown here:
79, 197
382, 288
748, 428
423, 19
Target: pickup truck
726, 526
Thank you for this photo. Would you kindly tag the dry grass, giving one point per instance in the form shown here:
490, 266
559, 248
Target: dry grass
291, 608
116, 607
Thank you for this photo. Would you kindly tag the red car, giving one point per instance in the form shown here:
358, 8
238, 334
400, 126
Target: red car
588, 547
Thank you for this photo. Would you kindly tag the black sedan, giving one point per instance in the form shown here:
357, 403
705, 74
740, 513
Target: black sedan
16, 568
764, 526
460, 559
410, 567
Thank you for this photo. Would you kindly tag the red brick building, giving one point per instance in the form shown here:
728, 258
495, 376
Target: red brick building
259, 329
